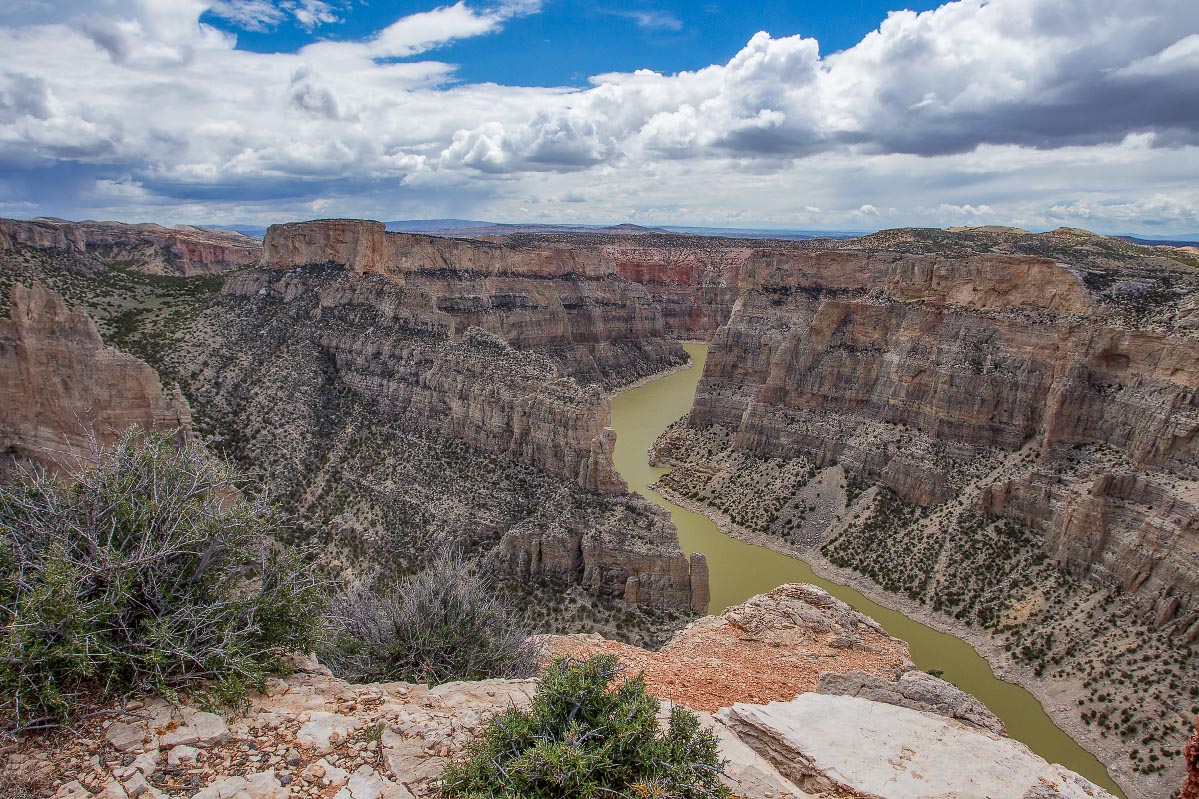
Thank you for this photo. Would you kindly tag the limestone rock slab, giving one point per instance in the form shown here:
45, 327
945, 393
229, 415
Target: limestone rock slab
849, 746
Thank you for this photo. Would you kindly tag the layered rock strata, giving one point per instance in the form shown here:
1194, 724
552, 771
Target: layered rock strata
1007, 439
63, 393
561, 301
397, 427
694, 281
183, 250
912, 372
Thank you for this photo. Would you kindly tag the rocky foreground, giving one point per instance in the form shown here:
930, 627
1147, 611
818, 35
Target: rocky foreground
885, 731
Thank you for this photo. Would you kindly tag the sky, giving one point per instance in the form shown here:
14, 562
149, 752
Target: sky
853, 115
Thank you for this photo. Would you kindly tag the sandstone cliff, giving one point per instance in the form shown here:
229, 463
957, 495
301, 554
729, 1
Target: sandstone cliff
182, 250
912, 372
60, 386
406, 395
558, 300
694, 281
1006, 438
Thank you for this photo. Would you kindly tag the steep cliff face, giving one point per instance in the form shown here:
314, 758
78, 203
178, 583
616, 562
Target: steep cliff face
695, 282
395, 431
182, 250
558, 300
477, 389
915, 372
367, 248
59, 385
1007, 439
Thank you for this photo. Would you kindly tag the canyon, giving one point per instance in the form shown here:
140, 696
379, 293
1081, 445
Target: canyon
1005, 438
377, 377
990, 427
405, 396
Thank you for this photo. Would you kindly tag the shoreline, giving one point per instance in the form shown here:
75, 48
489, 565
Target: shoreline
653, 378
998, 660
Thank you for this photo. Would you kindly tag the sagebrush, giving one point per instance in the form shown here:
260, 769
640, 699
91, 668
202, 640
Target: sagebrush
589, 733
149, 569
443, 624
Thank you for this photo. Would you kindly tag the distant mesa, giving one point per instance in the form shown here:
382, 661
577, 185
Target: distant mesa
183, 250
987, 229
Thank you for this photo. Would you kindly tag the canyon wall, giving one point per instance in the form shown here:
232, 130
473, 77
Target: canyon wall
561, 301
408, 395
1008, 440
62, 391
182, 250
694, 281
907, 369
477, 389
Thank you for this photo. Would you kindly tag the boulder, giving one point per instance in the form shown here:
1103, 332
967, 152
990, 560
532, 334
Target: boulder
850, 746
324, 729
263, 785
916, 690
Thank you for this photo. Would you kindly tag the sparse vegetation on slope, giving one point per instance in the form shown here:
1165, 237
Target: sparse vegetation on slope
136, 311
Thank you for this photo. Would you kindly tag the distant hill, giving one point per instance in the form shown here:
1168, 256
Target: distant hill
470, 228
473, 228
765, 233
1183, 241
430, 225
257, 231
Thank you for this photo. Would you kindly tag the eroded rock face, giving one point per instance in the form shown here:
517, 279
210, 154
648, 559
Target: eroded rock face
60, 385
182, 250
379, 342
1009, 440
317, 373
366, 247
561, 301
851, 747
695, 283
907, 370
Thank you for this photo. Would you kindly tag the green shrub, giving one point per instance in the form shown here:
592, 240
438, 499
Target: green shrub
148, 570
443, 624
584, 737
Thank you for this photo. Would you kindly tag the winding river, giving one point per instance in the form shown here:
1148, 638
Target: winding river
740, 570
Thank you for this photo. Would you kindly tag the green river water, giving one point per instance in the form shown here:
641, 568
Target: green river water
740, 570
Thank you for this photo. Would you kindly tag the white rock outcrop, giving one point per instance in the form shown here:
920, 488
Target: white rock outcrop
846, 746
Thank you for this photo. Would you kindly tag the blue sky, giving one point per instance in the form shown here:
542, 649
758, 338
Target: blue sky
813, 115
570, 40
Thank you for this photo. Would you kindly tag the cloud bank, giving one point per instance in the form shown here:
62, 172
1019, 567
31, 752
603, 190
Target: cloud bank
1032, 112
